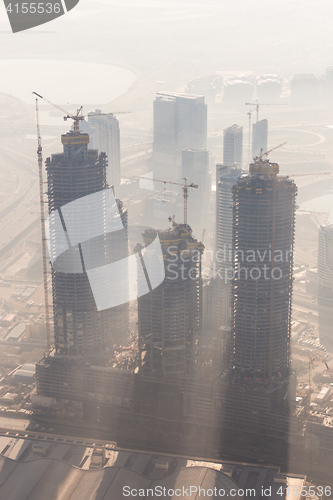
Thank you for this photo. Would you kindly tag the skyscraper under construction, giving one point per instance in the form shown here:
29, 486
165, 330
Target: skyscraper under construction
170, 316
79, 208
263, 239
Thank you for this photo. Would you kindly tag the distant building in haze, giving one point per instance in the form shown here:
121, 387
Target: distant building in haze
233, 145
105, 136
180, 122
259, 137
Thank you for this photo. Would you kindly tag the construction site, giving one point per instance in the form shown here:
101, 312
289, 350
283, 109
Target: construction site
169, 382
175, 385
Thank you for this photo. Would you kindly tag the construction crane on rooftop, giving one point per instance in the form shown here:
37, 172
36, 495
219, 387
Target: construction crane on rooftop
311, 173
259, 158
185, 187
257, 104
42, 220
78, 116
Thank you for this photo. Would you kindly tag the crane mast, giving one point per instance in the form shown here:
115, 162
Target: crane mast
42, 220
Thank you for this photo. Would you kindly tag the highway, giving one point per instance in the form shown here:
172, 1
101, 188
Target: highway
19, 211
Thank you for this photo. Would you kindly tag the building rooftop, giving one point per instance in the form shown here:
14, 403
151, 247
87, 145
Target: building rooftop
59, 468
179, 94
327, 228
17, 332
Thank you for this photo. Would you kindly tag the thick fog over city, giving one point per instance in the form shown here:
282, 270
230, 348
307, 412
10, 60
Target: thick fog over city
166, 249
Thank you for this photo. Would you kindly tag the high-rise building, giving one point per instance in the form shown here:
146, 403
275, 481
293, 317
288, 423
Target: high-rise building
170, 316
180, 122
195, 165
233, 145
259, 137
263, 239
325, 258
325, 284
79, 327
226, 177
105, 136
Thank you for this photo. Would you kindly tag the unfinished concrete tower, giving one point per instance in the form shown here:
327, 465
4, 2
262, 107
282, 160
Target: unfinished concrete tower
263, 239
79, 234
170, 315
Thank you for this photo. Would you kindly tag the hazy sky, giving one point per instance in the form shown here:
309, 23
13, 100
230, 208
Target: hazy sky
289, 35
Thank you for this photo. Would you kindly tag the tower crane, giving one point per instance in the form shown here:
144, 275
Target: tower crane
42, 220
257, 104
185, 187
256, 108
78, 116
259, 158
310, 173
